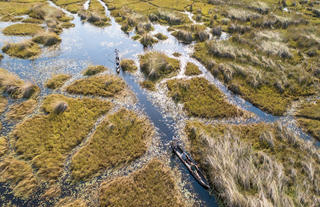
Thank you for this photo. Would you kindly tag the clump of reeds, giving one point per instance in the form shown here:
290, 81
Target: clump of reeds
184, 36
60, 107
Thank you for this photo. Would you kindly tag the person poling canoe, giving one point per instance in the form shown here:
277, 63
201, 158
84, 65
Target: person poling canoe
117, 60
190, 164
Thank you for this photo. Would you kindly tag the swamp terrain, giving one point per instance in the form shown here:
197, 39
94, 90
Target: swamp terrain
235, 82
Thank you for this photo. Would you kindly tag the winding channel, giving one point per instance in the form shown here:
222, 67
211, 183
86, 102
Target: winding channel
85, 44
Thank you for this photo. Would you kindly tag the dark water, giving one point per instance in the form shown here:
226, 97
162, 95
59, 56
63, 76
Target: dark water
85, 44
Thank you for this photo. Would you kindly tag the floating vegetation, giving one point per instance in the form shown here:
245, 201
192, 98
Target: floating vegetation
245, 162
201, 99
18, 111
192, 69
153, 185
18, 174
94, 69
22, 29
156, 66
128, 65
121, 138
25, 49
47, 39
104, 85
308, 116
46, 139
57, 81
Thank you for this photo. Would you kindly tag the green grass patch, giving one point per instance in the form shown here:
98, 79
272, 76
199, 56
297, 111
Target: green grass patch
19, 111
47, 39
105, 85
201, 98
18, 174
128, 65
46, 139
192, 69
24, 50
151, 186
57, 81
22, 29
94, 69
156, 66
121, 138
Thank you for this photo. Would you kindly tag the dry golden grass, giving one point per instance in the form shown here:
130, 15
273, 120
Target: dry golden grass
3, 146
57, 81
128, 65
22, 29
257, 164
71, 202
25, 49
94, 69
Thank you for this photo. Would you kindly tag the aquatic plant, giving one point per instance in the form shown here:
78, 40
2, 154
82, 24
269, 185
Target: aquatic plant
156, 65
256, 164
47, 38
22, 29
121, 138
201, 99
57, 81
192, 69
25, 49
94, 69
153, 185
105, 85
128, 65
19, 111
46, 139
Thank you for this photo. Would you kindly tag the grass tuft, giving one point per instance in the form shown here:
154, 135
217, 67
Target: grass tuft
201, 99
128, 65
47, 39
22, 29
25, 49
192, 69
18, 111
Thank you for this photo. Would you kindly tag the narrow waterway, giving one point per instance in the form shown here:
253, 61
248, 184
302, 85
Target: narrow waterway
86, 44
